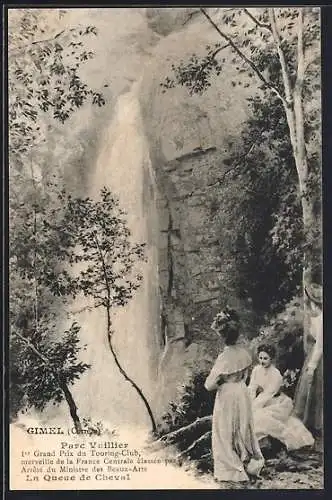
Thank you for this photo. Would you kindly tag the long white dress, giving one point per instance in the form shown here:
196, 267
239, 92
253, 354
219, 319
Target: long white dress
235, 447
308, 399
272, 410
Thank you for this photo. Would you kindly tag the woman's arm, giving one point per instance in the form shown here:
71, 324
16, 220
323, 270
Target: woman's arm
213, 380
269, 391
253, 384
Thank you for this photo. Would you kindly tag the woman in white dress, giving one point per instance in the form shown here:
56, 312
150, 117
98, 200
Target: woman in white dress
235, 449
272, 408
308, 397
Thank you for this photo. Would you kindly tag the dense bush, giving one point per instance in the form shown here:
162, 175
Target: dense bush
194, 401
285, 332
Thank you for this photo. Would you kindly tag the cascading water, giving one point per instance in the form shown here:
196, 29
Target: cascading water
124, 166
102, 393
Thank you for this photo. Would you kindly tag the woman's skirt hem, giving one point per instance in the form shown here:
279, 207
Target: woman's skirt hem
231, 476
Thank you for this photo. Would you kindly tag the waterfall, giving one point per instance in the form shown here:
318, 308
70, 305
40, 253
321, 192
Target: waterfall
124, 166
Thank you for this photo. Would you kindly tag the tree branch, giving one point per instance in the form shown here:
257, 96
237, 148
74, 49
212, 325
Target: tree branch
135, 386
110, 343
301, 160
27, 342
191, 15
213, 55
35, 305
201, 441
282, 58
51, 39
243, 56
108, 287
201, 425
257, 22
37, 42
288, 103
60, 380
83, 309
300, 53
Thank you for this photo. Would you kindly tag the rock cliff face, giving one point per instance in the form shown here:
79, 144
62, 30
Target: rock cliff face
191, 269
189, 265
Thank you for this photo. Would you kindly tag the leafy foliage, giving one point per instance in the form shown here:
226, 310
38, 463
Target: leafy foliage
259, 195
38, 380
99, 240
285, 332
97, 428
195, 73
193, 402
49, 239
264, 192
41, 358
45, 86
247, 34
290, 379
36, 249
45, 89
102, 260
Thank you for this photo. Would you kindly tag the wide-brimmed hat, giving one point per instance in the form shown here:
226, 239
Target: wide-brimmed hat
314, 292
232, 360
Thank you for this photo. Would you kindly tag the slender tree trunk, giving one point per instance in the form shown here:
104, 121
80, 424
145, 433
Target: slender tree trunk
294, 111
126, 376
301, 159
291, 97
62, 383
109, 338
308, 215
296, 130
72, 406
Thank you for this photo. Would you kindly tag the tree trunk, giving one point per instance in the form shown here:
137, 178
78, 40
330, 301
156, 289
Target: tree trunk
126, 376
293, 106
308, 264
307, 203
72, 407
60, 380
302, 167
107, 306
295, 120
199, 447
188, 433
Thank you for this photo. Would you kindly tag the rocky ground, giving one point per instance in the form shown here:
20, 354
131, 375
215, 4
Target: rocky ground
300, 470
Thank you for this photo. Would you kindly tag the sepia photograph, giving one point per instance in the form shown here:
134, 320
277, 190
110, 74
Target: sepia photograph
165, 248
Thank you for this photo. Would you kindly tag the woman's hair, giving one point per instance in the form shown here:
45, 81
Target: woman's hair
231, 333
227, 324
268, 348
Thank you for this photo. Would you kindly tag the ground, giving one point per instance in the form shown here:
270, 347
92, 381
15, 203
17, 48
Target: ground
301, 470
